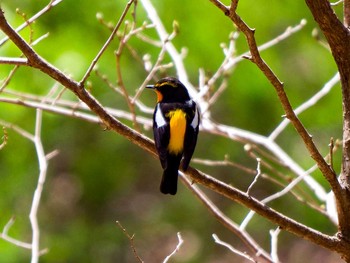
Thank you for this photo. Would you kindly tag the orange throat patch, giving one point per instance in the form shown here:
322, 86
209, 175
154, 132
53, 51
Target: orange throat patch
159, 96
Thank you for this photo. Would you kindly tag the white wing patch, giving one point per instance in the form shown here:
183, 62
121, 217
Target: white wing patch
159, 118
195, 121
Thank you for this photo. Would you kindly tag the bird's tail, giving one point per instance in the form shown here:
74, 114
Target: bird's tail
168, 184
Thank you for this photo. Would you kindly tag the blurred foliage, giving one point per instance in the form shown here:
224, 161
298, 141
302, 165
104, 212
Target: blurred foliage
99, 177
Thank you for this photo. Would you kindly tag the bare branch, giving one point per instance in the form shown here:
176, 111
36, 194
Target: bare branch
47, 8
163, 35
274, 242
286, 223
131, 240
258, 251
38, 191
338, 38
337, 3
232, 249
258, 174
4, 138
14, 61
17, 129
346, 6
34, 60
155, 68
72, 110
279, 87
307, 104
331, 150
246, 136
4, 235
180, 242
109, 40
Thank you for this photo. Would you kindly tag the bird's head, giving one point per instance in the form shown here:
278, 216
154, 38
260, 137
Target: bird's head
170, 89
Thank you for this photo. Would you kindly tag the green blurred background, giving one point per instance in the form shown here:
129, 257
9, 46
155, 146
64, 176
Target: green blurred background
99, 177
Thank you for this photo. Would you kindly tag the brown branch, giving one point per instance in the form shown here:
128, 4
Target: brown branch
109, 40
346, 13
255, 57
34, 60
258, 251
120, 81
286, 223
31, 20
279, 87
338, 38
131, 239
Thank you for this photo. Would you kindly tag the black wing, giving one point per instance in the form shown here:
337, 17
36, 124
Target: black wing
161, 132
192, 128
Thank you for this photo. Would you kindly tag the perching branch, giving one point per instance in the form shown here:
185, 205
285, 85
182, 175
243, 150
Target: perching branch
107, 117
111, 123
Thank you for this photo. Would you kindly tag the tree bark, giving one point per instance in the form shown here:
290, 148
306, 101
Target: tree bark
338, 37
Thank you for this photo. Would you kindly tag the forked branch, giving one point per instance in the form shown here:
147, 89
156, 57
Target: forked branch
34, 60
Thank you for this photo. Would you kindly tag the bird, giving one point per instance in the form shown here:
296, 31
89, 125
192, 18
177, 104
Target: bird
176, 120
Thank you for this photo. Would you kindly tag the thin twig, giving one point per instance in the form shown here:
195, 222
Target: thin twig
253, 138
285, 178
177, 248
330, 242
125, 37
307, 104
155, 68
47, 8
274, 244
172, 51
244, 236
4, 138
232, 249
337, 3
279, 88
131, 240
17, 129
258, 173
4, 235
14, 61
7, 80
331, 149
38, 191
109, 40
68, 109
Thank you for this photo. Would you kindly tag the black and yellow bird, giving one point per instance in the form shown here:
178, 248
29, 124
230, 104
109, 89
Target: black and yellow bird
175, 128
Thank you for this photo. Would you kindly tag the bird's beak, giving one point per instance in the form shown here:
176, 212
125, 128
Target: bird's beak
150, 86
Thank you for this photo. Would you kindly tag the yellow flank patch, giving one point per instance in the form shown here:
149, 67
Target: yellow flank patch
177, 130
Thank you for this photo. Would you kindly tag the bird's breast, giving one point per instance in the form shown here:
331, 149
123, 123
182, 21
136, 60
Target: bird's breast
177, 130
